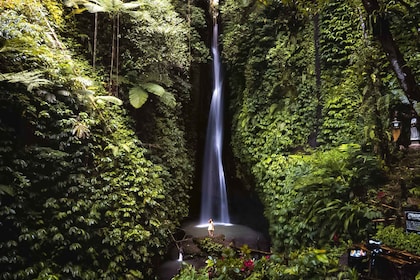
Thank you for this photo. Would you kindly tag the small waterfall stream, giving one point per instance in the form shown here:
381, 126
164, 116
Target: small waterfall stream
213, 194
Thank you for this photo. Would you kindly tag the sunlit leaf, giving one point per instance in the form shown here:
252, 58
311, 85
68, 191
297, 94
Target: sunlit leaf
154, 88
111, 99
138, 96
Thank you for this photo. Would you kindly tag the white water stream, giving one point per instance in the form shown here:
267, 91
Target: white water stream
213, 186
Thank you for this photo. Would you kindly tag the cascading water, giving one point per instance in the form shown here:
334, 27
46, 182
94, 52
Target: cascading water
213, 196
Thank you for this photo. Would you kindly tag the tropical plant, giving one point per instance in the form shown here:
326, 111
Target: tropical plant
399, 239
80, 195
114, 8
31, 79
138, 95
310, 263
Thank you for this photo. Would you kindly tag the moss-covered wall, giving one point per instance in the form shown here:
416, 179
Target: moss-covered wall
87, 191
312, 93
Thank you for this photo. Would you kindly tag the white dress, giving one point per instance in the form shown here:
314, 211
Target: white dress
211, 226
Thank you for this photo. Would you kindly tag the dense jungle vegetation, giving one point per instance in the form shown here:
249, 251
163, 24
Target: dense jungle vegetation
98, 131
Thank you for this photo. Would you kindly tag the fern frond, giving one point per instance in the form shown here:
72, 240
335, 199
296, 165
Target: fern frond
168, 99
31, 79
83, 82
80, 130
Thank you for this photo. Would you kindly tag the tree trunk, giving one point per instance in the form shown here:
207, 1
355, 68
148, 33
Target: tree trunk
111, 70
314, 135
95, 41
117, 55
382, 32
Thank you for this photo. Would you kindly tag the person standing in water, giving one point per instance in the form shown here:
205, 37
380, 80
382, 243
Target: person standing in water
211, 228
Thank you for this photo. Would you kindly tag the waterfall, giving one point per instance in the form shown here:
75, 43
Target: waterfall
213, 194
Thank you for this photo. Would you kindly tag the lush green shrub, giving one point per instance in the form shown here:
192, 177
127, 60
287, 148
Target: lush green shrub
311, 198
399, 239
295, 118
306, 264
210, 247
81, 196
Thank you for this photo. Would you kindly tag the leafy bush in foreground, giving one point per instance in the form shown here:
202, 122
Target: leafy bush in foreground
399, 239
304, 264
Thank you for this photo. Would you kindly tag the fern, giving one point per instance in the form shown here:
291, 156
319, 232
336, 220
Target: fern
31, 79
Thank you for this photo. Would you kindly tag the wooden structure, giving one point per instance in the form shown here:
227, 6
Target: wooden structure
383, 262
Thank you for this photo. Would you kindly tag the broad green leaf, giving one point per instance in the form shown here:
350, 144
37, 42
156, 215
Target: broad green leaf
58, 237
136, 273
138, 96
154, 88
75, 246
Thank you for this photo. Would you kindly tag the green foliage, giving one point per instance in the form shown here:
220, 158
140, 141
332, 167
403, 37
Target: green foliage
399, 239
341, 124
272, 81
138, 95
109, 6
210, 247
326, 187
341, 35
406, 40
280, 108
156, 40
305, 264
81, 197
188, 272
176, 159
31, 80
